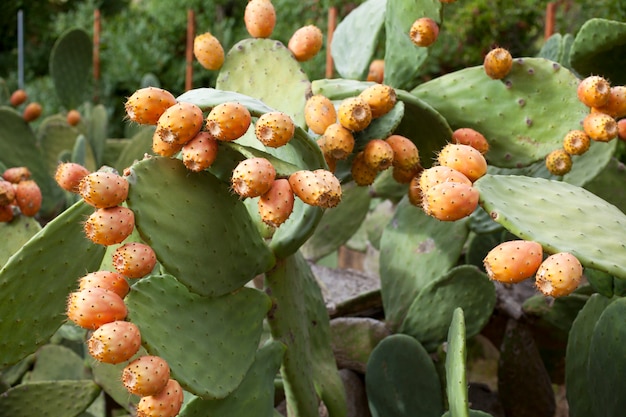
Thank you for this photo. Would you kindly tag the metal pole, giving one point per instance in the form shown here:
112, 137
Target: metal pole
20, 49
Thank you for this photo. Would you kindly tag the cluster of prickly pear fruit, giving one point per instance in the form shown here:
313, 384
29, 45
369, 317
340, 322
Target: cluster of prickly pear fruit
18, 194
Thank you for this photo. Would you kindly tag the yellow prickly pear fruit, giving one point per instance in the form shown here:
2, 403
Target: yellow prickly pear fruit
333, 187
274, 129
378, 154
180, 123
424, 31
600, 127
316, 188
228, 121
440, 174
464, 159
616, 105
406, 156
260, 18
498, 63
337, 142
450, 201
362, 173
376, 71
306, 42
381, 99
208, 51
471, 137
354, 114
162, 148
576, 142
594, 91
253, 177
513, 261
319, 113
146, 105
559, 162
559, 275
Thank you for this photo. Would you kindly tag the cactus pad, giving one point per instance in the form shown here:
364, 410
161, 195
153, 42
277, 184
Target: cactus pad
15, 234
456, 356
70, 67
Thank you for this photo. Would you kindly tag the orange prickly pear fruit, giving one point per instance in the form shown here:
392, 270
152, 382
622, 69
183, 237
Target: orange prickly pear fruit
260, 18
337, 142
406, 156
424, 31
315, 188
576, 142
200, 152
253, 177
319, 113
134, 259
69, 174
468, 136
28, 197
7, 193
559, 162
381, 99
616, 105
32, 111
228, 121
146, 375
440, 174
180, 123
600, 127
594, 91
167, 149
92, 307
450, 201
16, 175
498, 63
18, 97
334, 192
166, 403
464, 159
108, 280
306, 42
276, 205
73, 117
378, 154
376, 71
621, 129
111, 225
274, 129
405, 176
331, 162
362, 173
415, 192
513, 261
146, 105
354, 114
114, 342
102, 189
6, 213
559, 275
208, 51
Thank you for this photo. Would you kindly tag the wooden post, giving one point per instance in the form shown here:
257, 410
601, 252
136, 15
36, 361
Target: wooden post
96, 53
332, 23
191, 34
550, 17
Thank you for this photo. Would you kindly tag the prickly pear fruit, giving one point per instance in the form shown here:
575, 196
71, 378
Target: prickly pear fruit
576, 142
114, 342
6, 213
450, 201
305, 43
69, 174
146, 105
381, 99
260, 18
180, 123
498, 63
276, 205
28, 197
253, 177
616, 105
228, 121
92, 307
600, 127
594, 91
32, 111
111, 225
146, 375
208, 51
559, 275
354, 114
621, 129
108, 280
513, 261
362, 173
200, 152
167, 149
440, 174
166, 403
7, 193
102, 189
274, 129
559, 162
424, 31
469, 136
464, 159
378, 154
319, 113
134, 259
405, 176
406, 156
337, 142
73, 117
333, 186
314, 189
376, 71
18, 97
16, 174
415, 192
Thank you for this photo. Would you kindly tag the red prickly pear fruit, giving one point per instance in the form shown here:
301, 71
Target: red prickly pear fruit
260, 18
167, 403
6, 213
576, 142
498, 63
108, 280
378, 154
7, 193
69, 174
276, 205
146, 105
305, 43
180, 123
464, 159
114, 342
600, 127
354, 114
253, 177
274, 129
621, 129
513, 261
167, 149
594, 91
362, 173
333, 193
405, 176
337, 142
376, 71
450, 201
16, 174
208, 51
28, 197
559, 162
92, 307
111, 225
424, 31
134, 259
406, 156
102, 189
381, 99
319, 113
616, 105
559, 275
440, 174
18, 97
146, 375
314, 188
228, 121
200, 152
415, 192
73, 117
468, 136
32, 111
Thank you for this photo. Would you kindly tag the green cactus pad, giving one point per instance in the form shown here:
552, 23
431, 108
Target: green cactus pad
601, 282
552, 49
298, 228
48, 398
42, 273
609, 184
299, 319
465, 286
57, 362
472, 413
70, 67
381, 127
401, 380
579, 388
415, 249
15, 234
456, 356
96, 130
560, 216
356, 37
108, 377
209, 343
135, 149
253, 398
591, 164
524, 116
55, 136
200, 231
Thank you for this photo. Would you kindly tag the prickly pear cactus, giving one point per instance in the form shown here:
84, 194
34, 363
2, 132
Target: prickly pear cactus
70, 67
